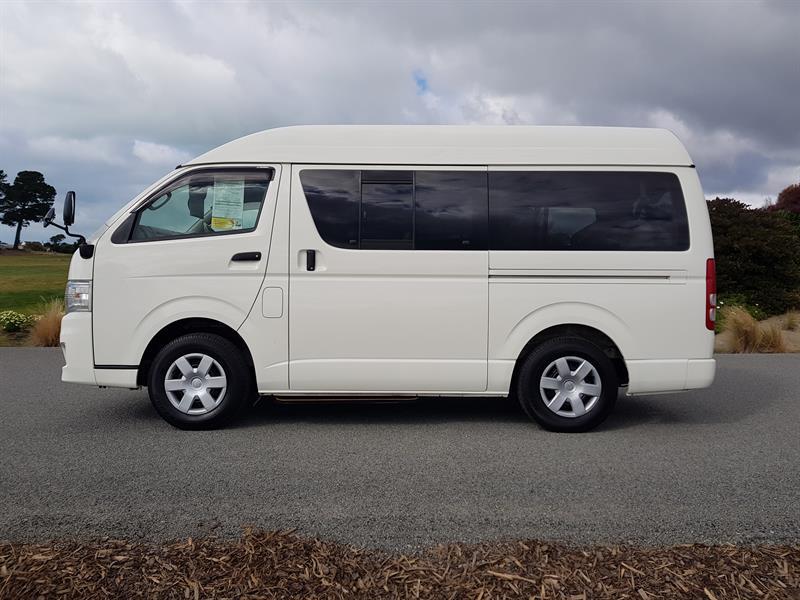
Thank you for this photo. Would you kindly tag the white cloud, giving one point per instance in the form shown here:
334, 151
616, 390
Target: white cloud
158, 154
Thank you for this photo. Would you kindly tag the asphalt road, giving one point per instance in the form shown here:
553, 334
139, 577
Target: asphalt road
718, 465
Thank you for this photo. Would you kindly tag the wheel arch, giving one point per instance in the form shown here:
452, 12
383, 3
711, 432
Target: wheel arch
182, 327
603, 341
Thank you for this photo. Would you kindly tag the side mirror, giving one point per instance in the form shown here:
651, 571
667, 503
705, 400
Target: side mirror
48, 218
196, 203
69, 209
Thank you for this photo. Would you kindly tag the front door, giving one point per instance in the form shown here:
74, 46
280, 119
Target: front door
388, 279
197, 249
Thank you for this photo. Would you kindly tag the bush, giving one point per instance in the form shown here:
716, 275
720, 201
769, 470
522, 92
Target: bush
11, 321
35, 246
758, 255
47, 329
792, 321
726, 301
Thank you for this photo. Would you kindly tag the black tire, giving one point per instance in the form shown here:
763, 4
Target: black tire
532, 369
238, 377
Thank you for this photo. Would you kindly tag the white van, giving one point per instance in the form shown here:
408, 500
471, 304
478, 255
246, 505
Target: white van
553, 264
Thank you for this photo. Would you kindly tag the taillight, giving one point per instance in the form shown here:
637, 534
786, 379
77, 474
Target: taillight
711, 294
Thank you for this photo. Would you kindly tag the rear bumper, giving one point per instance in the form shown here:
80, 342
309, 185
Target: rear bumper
660, 376
76, 344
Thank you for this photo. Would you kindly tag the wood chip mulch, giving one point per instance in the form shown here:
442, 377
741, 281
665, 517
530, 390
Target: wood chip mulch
285, 565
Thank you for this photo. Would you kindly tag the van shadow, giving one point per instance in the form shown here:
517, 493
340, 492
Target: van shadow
737, 395
411, 411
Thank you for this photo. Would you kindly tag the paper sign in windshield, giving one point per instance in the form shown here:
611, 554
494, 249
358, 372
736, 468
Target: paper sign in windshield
226, 211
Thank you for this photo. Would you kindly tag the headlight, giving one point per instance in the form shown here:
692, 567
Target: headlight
78, 296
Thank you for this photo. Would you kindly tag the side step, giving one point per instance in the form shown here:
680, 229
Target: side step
341, 398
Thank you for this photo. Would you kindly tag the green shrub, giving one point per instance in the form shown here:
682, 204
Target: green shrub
11, 321
758, 256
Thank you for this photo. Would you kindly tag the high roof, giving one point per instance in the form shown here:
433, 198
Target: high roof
454, 145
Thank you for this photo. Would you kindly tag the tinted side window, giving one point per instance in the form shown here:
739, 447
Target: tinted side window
399, 210
387, 215
583, 210
206, 203
451, 210
333, 197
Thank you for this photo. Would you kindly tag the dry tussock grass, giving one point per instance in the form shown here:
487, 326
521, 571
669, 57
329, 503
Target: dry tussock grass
284, 565
743, 329
47, 329
771, 340
745, 334
792, 321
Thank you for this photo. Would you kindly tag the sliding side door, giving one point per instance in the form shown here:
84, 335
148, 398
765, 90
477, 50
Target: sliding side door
388, 279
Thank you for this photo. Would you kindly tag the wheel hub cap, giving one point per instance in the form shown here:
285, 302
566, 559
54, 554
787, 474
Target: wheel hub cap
195, 384
570, 386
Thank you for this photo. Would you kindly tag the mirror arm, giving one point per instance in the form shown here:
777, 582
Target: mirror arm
81, 239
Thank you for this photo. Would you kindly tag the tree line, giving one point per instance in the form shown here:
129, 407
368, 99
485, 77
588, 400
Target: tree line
758, 253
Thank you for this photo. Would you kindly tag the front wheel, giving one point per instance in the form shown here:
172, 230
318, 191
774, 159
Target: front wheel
567, 384
199, 381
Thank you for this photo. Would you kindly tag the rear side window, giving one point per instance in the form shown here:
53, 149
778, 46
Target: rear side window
586, 210
202, 204
399, 210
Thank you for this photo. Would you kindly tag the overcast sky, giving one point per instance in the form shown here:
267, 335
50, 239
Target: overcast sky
104, 98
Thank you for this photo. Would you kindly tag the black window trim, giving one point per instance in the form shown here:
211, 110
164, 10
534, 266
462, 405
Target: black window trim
122, 234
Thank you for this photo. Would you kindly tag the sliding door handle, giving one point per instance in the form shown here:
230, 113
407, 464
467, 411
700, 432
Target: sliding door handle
311, 260
244, 256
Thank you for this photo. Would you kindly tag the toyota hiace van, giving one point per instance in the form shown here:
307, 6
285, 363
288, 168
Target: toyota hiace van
556, 265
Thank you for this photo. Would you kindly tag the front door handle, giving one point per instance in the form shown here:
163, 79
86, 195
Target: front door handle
244, 256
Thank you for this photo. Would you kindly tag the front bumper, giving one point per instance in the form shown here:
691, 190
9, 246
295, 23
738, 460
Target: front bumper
76, 344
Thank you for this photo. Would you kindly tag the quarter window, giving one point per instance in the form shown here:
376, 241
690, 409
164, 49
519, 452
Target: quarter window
586, 210
202, 204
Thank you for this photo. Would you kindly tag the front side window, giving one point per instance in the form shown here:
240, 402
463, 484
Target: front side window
587, 210
203, 204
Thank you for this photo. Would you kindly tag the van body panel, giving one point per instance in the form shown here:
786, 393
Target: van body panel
401, 320
158, 282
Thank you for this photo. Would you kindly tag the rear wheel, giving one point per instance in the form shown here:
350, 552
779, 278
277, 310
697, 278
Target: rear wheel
567, 384
199, 381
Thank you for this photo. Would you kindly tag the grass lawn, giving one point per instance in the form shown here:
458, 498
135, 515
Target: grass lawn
28, 279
